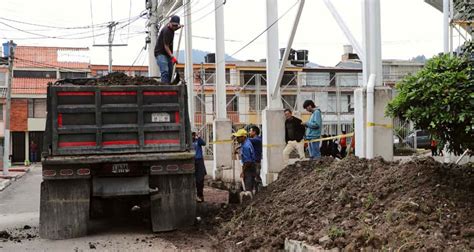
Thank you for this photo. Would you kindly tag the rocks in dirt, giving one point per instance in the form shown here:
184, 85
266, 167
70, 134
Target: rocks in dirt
323, 241
92, 245
19, 234
4, 234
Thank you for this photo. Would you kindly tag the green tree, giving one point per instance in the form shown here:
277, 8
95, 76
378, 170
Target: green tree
440, 98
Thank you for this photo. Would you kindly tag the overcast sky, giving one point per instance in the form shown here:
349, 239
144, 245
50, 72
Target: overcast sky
409, 27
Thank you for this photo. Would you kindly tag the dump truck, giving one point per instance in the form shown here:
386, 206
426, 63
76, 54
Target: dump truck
110, 140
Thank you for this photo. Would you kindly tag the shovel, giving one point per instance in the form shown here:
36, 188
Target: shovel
234, 197
245, 196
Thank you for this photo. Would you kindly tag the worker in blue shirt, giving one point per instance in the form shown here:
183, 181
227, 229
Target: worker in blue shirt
247, 158
256, 140
200, 168
313, 128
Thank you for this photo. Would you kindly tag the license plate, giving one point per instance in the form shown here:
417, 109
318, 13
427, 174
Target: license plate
160, 117
120, 168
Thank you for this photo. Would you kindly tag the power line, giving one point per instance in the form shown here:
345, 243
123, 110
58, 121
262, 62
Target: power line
37, 63
263, 32
49, 26
67, 36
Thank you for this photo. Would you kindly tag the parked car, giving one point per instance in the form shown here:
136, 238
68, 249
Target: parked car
422, 139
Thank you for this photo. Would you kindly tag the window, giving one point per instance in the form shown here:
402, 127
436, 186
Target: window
289, 78
317, 79
347, 79
1, 112
210, 76
34, 74
253, 102
198, 105
3, 79
346, 103
234, 105
37, 108
100, 73
250, 76
288, 101
70, 75
332, 103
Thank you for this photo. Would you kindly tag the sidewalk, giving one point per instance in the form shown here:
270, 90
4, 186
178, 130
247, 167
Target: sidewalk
14, 173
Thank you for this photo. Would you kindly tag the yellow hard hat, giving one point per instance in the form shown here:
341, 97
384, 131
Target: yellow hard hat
240, 133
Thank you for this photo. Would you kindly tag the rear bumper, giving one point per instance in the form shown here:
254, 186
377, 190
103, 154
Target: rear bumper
116, 166
98, 159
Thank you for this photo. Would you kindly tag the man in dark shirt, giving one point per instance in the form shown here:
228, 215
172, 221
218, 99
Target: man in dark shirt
164, 49
200, 168
294, 133
256, 141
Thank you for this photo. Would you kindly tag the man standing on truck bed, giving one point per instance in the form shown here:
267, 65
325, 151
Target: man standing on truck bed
164, 49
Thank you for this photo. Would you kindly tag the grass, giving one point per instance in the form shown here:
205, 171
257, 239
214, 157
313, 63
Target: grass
335, 232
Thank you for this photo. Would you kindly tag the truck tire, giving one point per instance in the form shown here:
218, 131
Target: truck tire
64, 208
174, 204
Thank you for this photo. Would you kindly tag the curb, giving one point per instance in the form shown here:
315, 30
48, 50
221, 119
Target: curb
4, 184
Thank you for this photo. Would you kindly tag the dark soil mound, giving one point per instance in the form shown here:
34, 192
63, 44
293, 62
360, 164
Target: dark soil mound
358, 203
115, 78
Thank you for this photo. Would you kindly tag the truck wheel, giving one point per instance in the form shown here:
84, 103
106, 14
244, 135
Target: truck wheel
64, 208
174, 204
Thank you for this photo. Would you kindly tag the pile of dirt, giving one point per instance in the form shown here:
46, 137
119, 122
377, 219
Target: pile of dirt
19, 234
358, 203
115, 78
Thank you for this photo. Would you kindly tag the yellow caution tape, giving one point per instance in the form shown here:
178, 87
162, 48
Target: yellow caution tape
282, 145
372, 124
222, 141
329, 138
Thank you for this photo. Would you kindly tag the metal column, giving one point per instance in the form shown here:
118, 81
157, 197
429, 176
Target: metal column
189, 60
220, 61
273, 62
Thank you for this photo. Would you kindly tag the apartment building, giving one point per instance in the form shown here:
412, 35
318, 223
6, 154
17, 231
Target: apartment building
34, 67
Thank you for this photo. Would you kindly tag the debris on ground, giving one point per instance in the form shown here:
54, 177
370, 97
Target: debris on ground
18, 234
357, 203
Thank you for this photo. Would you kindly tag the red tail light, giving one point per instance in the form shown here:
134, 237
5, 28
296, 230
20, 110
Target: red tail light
49, 173
172, 167
66, 172
84, 172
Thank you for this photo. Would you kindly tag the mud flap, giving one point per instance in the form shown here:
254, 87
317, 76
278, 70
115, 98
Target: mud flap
64, 208
174, 204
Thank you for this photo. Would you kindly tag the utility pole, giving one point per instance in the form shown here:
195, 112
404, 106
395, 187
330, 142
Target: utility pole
153, 70
111, 26
6, 132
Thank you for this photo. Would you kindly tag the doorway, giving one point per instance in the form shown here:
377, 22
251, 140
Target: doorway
18, 147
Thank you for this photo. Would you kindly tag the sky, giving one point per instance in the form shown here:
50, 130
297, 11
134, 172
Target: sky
409, 27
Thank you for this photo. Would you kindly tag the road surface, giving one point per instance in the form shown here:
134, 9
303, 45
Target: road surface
19, 217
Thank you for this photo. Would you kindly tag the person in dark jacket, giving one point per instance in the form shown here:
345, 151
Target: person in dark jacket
199, 166
256, 140
294, 133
